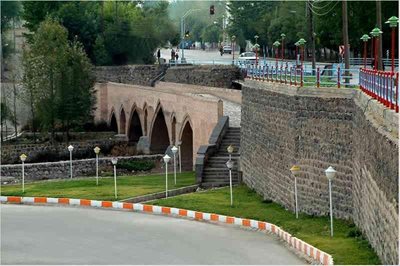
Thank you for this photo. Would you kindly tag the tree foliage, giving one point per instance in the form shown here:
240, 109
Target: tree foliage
57, 78
10, 10
268, 19
112, 32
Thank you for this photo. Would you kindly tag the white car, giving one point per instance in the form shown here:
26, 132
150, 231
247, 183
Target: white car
248, 57
227, 49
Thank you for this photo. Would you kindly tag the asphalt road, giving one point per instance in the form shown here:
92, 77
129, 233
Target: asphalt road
72, 235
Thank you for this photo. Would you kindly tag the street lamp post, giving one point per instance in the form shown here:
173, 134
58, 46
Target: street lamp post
97, 151
174, 151
229, 164
302, 42
372, 47
230, 150
276, 44
283, 35
166, 160
365, 39
375, 33
297, 48
23, 158
233, 38
295, 171
114, 161
180, 157
330, 174
70, 148
256, 45
393, 21
183, 31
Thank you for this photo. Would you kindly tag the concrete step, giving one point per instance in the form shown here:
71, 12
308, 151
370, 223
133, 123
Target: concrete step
223, 159
218, 165
219, 175
214, 184
220, 180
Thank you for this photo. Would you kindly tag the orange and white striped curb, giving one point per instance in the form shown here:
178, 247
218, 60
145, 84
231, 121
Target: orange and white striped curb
301, 246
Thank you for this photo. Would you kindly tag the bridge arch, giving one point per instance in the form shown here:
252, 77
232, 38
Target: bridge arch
135, 126
186, 138
159, 137
173, 129
113, 122
122, 121
145, 119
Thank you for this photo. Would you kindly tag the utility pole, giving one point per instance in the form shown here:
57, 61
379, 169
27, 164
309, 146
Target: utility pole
345, 40
312, 34
379, 25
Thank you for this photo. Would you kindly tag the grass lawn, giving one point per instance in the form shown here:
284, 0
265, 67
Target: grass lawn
85, 188
345, 247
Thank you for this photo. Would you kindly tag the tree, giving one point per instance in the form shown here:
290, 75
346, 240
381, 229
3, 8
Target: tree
10, 12
75, 98
57, 78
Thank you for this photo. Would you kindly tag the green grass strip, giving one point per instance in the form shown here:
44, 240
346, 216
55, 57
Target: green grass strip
347, 246
85, 188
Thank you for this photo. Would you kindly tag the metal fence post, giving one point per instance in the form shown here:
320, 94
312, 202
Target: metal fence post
286, 68
263, 73
318, 81
301, 76
396, 83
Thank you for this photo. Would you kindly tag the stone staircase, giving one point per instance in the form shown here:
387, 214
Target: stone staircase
216, 172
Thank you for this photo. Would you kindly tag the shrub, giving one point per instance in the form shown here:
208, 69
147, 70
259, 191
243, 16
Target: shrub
136, 165
354, 233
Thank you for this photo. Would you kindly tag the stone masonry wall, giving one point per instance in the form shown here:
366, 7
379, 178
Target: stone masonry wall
283, 125
129, 74
36, 152
212, 76
56, 170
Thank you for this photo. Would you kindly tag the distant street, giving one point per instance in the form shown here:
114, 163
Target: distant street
65, 235
201, 56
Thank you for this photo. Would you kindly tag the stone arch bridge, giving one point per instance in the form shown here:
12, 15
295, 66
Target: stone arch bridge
156, 119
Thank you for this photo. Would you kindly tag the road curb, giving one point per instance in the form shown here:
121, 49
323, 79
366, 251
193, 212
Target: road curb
300, 246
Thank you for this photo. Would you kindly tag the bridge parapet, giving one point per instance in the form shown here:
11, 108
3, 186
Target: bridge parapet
166, 118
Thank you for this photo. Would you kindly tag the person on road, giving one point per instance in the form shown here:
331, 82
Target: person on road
172, 54
221, 49
176, 57
159, 56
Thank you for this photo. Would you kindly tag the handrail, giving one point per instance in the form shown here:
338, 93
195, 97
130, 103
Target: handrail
205, 151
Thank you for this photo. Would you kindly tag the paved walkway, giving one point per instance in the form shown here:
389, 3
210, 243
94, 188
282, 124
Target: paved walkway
71, 235
233, 110
231, 98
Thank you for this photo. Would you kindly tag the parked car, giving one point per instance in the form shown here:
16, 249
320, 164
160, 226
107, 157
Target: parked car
227, 49
247, 57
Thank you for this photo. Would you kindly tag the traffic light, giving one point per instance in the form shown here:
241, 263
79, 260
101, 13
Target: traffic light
187, 33
212, 10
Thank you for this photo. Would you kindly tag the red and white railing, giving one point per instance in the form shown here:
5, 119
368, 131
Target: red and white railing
382, 86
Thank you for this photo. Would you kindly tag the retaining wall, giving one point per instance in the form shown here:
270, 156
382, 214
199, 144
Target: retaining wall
211, 76
56, 170
316, 128
129, 74
39, 152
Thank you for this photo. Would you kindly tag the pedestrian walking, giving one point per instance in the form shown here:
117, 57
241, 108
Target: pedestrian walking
176, 57
159, 56
172, 54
